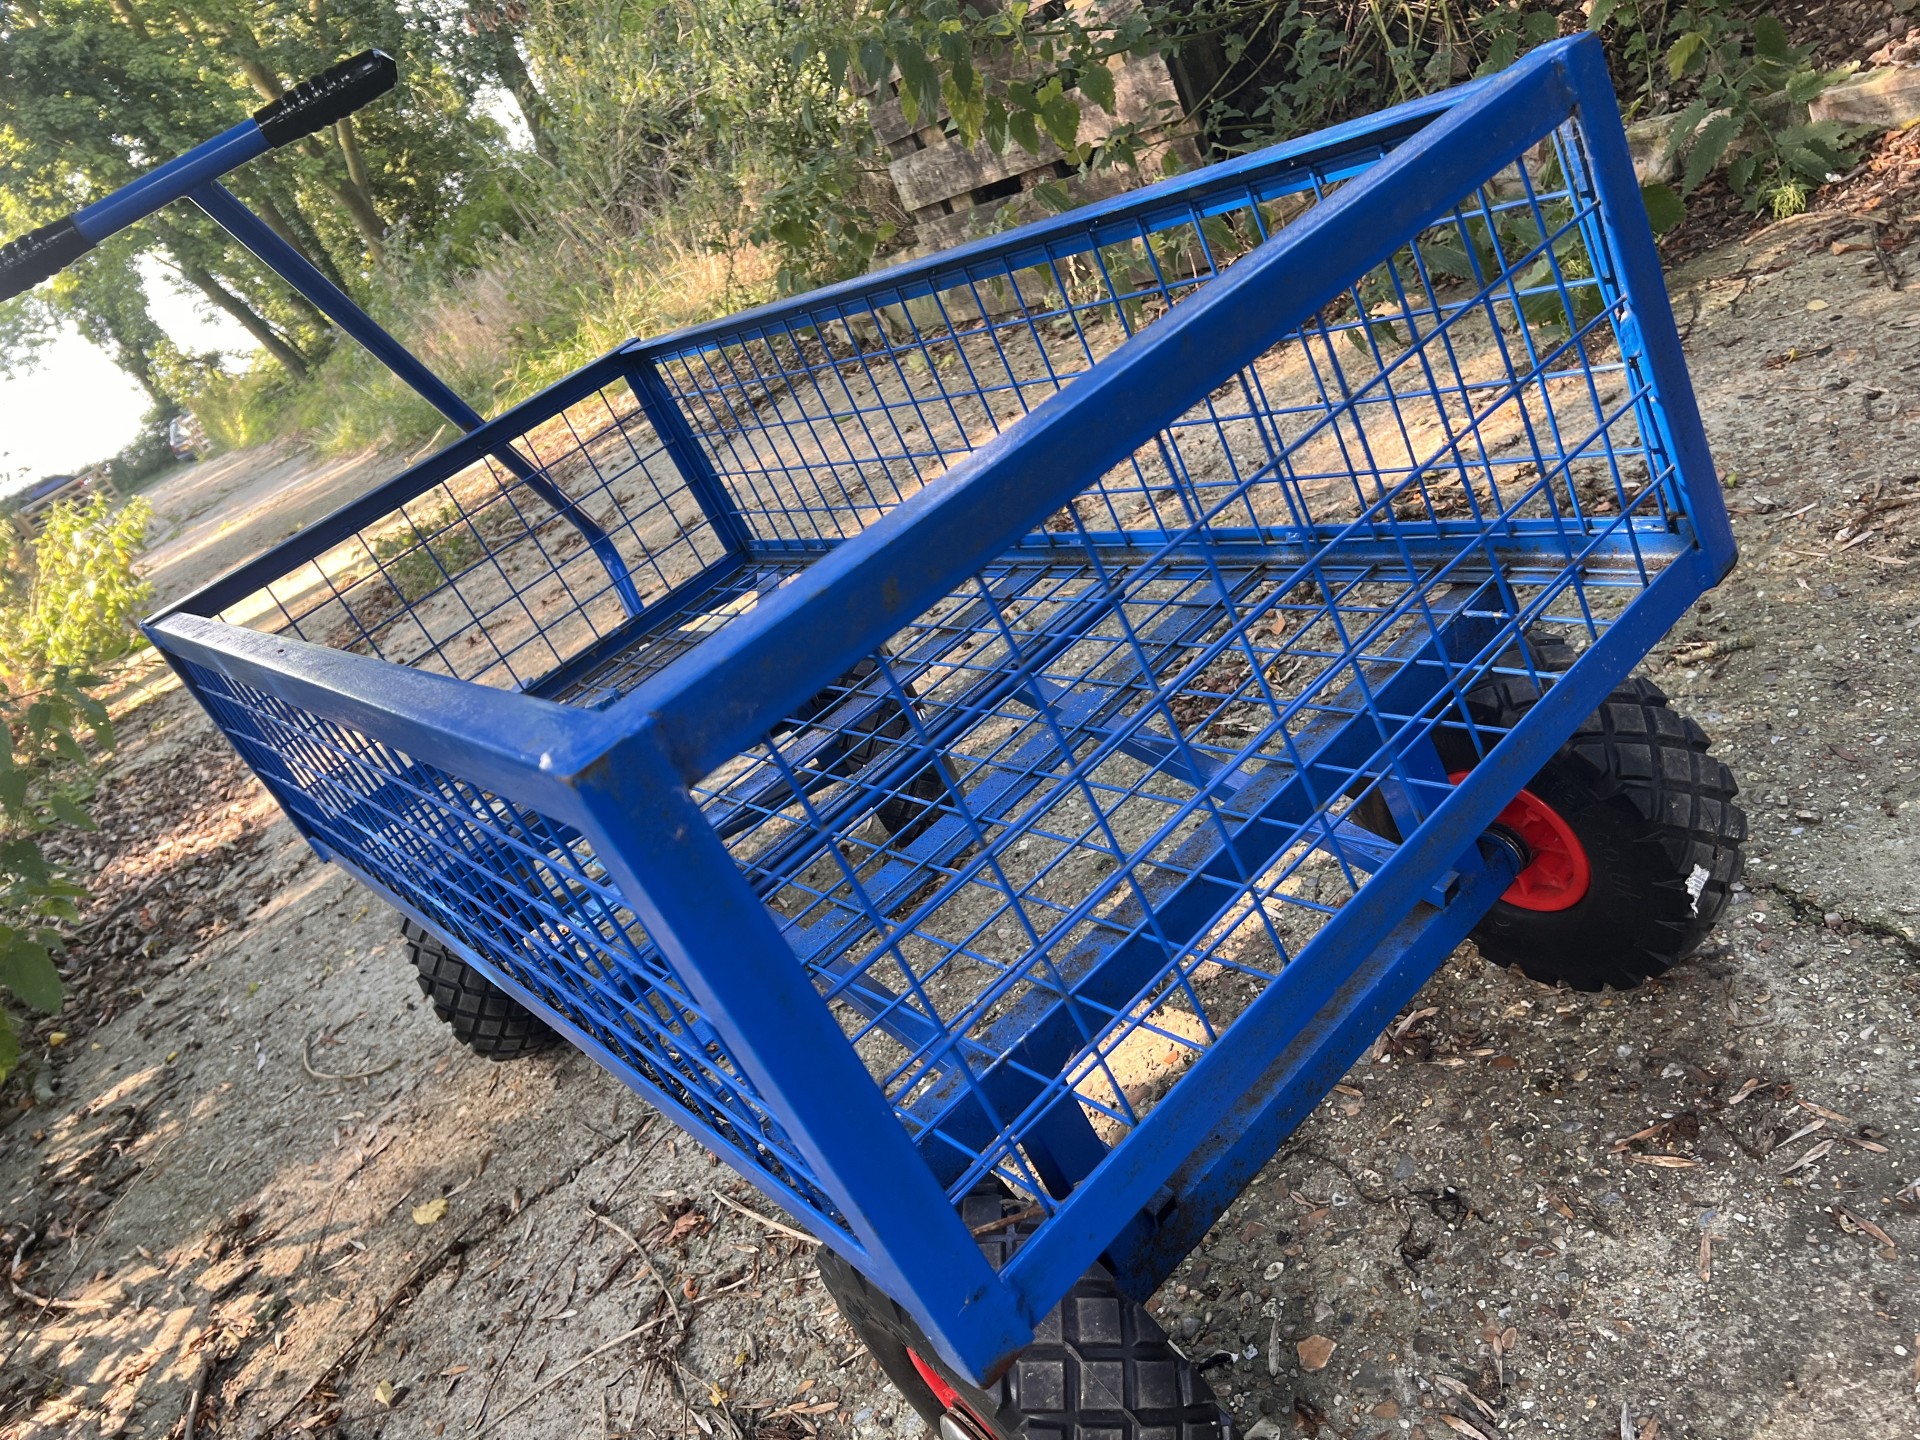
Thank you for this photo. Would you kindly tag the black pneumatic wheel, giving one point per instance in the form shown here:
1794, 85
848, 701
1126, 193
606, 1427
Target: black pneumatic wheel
1633, 832
1100, 1367
482, 1016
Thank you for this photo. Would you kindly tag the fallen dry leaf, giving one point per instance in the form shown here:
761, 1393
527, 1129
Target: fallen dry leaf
1860, 1222
1414, 1019
1706, 1257
1823, 1112
430, 1212
1818, 1152
1801, 1134
1459, 1389
1668, 1162
1645, 1134
1315, 1352
1745, 1090
1463, 1427
383, 1392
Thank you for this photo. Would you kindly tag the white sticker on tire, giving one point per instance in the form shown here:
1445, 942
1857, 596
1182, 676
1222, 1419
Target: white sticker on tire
1697, 884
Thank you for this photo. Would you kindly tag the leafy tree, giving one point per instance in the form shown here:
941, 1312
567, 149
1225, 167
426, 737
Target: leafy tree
99, 90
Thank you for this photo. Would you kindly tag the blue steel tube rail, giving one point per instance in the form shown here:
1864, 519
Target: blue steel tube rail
733, 688
623, 775
309, 106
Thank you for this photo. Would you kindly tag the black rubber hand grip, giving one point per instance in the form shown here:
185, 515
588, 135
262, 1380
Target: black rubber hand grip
25, 262
329, 96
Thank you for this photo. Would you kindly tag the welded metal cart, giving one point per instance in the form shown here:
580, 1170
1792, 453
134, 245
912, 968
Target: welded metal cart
986, 745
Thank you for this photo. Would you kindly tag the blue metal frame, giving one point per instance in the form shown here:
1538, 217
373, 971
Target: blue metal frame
863, 572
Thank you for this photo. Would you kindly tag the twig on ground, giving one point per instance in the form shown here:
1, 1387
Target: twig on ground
557, 1376
53, 1302
617, 1228
1032, 1212
666, 1290
773, 1225
306, 1064
196, 1393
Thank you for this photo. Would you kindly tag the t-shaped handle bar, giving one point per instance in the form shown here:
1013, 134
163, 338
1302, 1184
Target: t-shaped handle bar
309, 106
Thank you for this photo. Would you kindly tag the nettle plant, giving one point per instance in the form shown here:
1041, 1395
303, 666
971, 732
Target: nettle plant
46, 776
68, 601
1743, 108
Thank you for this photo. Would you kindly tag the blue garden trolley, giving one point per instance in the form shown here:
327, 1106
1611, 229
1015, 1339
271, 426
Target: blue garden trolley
986, 745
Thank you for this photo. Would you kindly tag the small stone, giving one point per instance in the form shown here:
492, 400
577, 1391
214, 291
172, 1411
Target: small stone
1387, 1410
1315, 1351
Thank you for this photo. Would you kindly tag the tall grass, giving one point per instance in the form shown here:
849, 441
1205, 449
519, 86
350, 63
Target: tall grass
671, 121
534, 310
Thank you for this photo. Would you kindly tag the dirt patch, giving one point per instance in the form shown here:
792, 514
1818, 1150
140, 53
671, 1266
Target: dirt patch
1839, 31
172, 861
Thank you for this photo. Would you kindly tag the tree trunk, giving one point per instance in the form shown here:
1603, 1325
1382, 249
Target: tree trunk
534, 109
131, 19
270, 339
351, 193
350, 147
373, 232
136, 362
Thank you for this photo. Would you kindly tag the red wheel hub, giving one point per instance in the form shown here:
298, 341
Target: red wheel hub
1559, 874
960, 1422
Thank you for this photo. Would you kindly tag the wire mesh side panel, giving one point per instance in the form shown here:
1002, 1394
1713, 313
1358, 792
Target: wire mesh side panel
821, 422
520, 889
1048, 845
481, 577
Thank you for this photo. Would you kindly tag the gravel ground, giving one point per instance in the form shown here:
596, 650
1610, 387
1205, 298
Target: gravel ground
260, 1176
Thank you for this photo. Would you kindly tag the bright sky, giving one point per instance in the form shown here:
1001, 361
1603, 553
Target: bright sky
76, 407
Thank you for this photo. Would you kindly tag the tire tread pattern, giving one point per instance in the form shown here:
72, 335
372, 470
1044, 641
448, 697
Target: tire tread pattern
482, 1016
1645, 757
1099, 1368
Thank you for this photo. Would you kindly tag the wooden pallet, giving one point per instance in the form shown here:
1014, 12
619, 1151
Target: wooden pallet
955, 192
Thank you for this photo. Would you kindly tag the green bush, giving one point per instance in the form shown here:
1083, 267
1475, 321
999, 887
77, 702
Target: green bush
45, 776
68, 601
1288, 67
75, 596
147, 454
